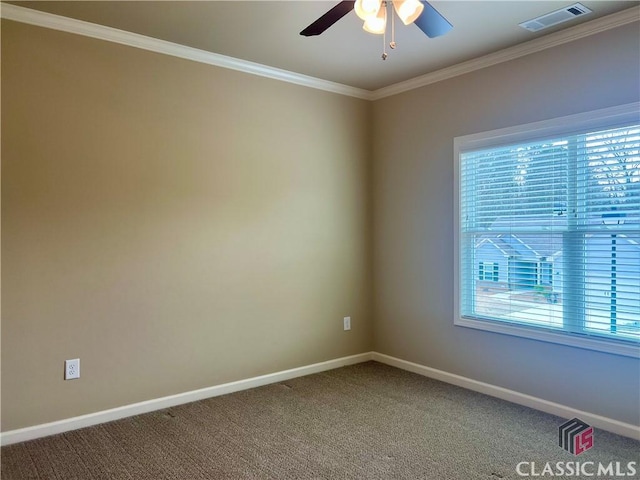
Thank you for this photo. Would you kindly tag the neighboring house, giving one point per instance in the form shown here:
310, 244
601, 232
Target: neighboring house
523, 261
519, 262
534, 262
620, 275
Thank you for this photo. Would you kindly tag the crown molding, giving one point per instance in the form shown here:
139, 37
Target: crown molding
101, 32
602, 24
110, 34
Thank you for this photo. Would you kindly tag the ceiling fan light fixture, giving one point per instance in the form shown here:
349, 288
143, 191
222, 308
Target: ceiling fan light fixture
408, 10
366, 9
374, 13
377, 24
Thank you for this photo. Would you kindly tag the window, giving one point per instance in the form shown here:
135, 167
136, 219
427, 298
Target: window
488, 271
554, 205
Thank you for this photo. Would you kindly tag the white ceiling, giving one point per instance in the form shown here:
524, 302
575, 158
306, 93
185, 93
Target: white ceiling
267, 32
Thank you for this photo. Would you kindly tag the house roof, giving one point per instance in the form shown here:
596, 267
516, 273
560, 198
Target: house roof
545, 241
524, 245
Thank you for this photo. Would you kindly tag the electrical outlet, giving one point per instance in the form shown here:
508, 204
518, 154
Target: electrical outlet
72, 369
347, 323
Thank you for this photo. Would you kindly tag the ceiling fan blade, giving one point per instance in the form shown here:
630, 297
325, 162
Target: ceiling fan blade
328, 19
431, 22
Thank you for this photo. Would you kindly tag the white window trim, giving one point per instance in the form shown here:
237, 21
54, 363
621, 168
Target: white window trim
605, 118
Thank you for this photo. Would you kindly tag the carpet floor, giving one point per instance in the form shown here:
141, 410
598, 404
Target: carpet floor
366, 421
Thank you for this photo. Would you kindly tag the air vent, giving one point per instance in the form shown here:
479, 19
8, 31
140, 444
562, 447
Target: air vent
554, 18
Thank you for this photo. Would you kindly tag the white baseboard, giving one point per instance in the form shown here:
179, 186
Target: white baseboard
615, 426
46, 429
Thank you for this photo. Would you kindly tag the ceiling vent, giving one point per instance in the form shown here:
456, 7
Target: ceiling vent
554, 18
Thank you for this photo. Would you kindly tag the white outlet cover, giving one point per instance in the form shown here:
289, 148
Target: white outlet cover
72, 369
347, 323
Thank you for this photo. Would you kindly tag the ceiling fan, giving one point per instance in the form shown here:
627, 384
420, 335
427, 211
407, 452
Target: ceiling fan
374, 14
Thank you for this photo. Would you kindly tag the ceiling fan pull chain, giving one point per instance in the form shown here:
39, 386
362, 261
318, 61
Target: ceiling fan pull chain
384, 37
393, 28
384, 50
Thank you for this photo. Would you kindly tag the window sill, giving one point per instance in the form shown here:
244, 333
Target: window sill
549, 336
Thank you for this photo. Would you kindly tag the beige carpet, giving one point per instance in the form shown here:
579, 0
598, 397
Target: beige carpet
367, 421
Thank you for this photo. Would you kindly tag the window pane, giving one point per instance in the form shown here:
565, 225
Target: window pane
550, 234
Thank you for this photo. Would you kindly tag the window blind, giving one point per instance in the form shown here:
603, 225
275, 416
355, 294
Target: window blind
558, 218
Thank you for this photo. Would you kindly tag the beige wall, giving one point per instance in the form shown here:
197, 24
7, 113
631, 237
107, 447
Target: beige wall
174, 225
414, 219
